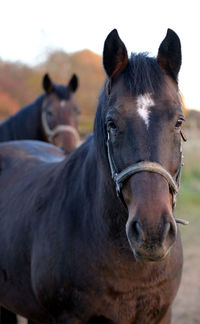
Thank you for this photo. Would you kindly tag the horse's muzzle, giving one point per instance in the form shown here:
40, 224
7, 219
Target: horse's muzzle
151, 243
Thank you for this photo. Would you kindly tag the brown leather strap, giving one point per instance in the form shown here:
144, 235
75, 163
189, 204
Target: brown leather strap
149, 167
143, 166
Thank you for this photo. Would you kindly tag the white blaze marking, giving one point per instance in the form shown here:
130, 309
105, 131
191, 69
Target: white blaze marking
63, 103
143, 103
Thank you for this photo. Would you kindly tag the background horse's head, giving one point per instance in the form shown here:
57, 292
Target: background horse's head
141, 121
60, 113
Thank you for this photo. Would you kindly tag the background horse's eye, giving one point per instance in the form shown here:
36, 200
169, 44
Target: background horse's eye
179, 123
49, 113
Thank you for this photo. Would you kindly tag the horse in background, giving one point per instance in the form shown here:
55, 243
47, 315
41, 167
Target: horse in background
52, 117
92, 238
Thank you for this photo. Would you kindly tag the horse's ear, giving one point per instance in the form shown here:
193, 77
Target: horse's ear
169, 54
47, 84
115, 57
73, 83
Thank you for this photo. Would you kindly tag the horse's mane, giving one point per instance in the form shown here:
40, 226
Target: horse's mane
21, 122
63, 92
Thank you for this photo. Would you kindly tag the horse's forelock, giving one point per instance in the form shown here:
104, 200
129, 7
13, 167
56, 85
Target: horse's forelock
63, 92
143, 75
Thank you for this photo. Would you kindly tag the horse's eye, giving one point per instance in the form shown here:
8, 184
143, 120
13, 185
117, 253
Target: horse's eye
111, 125
49, 113
179, 123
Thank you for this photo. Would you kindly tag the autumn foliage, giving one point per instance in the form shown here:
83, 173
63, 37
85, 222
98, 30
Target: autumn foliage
8, 105
21, 84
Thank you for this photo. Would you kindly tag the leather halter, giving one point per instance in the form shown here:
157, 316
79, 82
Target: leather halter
51, 133
120, 177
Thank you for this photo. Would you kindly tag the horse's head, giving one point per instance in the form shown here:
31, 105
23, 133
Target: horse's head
143, 118
60, 113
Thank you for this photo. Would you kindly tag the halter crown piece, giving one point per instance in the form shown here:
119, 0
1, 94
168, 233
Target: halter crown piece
120, 177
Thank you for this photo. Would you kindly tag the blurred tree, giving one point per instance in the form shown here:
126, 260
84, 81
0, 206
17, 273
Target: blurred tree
8, 105
22, 84
14, 79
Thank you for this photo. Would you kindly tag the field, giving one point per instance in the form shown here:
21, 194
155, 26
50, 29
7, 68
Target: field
186, 308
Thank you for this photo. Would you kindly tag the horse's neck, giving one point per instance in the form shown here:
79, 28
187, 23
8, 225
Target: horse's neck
26, 124
5, 130
90, 185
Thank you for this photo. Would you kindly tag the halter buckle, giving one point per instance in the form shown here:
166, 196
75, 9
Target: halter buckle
118, 188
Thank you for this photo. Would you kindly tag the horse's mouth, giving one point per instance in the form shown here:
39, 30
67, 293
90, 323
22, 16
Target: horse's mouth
149, 256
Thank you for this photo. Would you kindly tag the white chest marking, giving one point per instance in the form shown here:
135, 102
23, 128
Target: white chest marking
143, 103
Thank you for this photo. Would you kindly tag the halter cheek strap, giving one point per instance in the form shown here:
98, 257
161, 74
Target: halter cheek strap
147, 166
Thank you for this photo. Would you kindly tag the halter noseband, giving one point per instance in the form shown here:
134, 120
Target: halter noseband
51, 133
120, 177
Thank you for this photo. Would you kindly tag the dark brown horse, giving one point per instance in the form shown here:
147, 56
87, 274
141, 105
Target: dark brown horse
92, 238
53, 117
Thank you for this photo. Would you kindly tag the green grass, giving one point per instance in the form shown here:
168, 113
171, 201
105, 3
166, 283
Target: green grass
188, 202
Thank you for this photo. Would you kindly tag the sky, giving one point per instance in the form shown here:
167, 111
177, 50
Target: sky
29, 30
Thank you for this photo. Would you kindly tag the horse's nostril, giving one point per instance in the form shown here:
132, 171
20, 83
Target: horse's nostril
170, 232
172, 229
166, 230
136, 231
